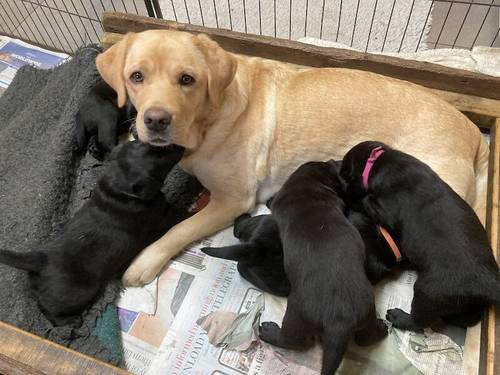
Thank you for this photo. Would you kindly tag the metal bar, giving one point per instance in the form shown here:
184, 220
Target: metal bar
34, 23
338, 25
157, 8
425, 25
175, 13
97, 15
230, 18
19, 22
65, 24
73, 22
275, 18
52, 27
102, 6
444, 24
290, 22
80, 18
461, 26
322, 17
149, 8
469, 3
59, 27
4, 22
201, 13
124, 7
135, 7
91, 24
245, 14
495, 38
65, 11
406, 27
355, 21
371, 25
305, 24
389, 25
187, 12
10, 20
114, 8
260, 20
27, 24
216, 17
44, 28
482, 24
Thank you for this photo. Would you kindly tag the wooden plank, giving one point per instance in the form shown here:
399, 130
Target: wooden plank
492, 356
424, 73
24, 353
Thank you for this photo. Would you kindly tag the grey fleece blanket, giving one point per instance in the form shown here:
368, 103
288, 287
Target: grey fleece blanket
43, 182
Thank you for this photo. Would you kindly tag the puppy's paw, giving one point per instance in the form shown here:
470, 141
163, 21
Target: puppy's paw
382, 329
95, 150
399, 318
209, 250
269, 332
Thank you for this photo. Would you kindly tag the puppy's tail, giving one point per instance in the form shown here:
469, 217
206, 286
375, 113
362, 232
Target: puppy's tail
335, 343
31, 261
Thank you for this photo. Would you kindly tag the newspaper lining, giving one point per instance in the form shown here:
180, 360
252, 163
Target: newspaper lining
207, 317
15, 53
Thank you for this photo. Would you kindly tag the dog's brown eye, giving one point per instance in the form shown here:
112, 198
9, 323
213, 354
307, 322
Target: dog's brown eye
136, 77
186, 79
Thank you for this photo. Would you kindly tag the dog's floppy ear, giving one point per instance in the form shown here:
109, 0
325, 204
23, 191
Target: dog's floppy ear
222, 67
110, 65
245, 252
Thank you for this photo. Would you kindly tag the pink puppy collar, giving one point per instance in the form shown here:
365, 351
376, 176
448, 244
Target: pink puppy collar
374, 155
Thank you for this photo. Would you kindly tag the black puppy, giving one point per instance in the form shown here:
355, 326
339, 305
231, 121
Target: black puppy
324, 260
125, 213
259, 256
99, 121
436, 231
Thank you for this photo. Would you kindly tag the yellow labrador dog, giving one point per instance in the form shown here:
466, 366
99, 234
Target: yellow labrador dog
247, 123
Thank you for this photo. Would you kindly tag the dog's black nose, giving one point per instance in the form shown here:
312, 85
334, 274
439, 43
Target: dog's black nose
157, 119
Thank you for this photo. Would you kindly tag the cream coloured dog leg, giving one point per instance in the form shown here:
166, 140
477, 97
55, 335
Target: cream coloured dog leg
216, 215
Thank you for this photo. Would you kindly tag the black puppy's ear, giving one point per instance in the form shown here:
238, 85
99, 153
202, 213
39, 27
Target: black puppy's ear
246, 252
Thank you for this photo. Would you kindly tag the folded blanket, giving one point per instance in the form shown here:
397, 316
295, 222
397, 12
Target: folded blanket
43, 182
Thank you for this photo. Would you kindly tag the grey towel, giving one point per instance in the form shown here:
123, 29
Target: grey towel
43, 182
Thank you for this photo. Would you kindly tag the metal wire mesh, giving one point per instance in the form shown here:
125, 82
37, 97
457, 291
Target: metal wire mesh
369, 25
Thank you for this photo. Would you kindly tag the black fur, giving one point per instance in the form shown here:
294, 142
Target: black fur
324, 260
436, 231
125, 213
99, 121
259, 256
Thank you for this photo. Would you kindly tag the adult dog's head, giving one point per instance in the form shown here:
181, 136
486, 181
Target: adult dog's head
174, 79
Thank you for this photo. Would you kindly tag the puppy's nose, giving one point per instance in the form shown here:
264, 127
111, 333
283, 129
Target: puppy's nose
157, 119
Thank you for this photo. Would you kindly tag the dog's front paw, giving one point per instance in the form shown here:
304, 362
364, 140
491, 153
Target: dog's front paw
269, 332
399, 318
144, 268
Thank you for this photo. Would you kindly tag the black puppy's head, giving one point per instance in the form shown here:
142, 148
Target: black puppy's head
353, 164
138, 170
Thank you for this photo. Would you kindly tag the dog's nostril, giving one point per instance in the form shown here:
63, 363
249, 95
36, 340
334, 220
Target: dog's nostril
157, 119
